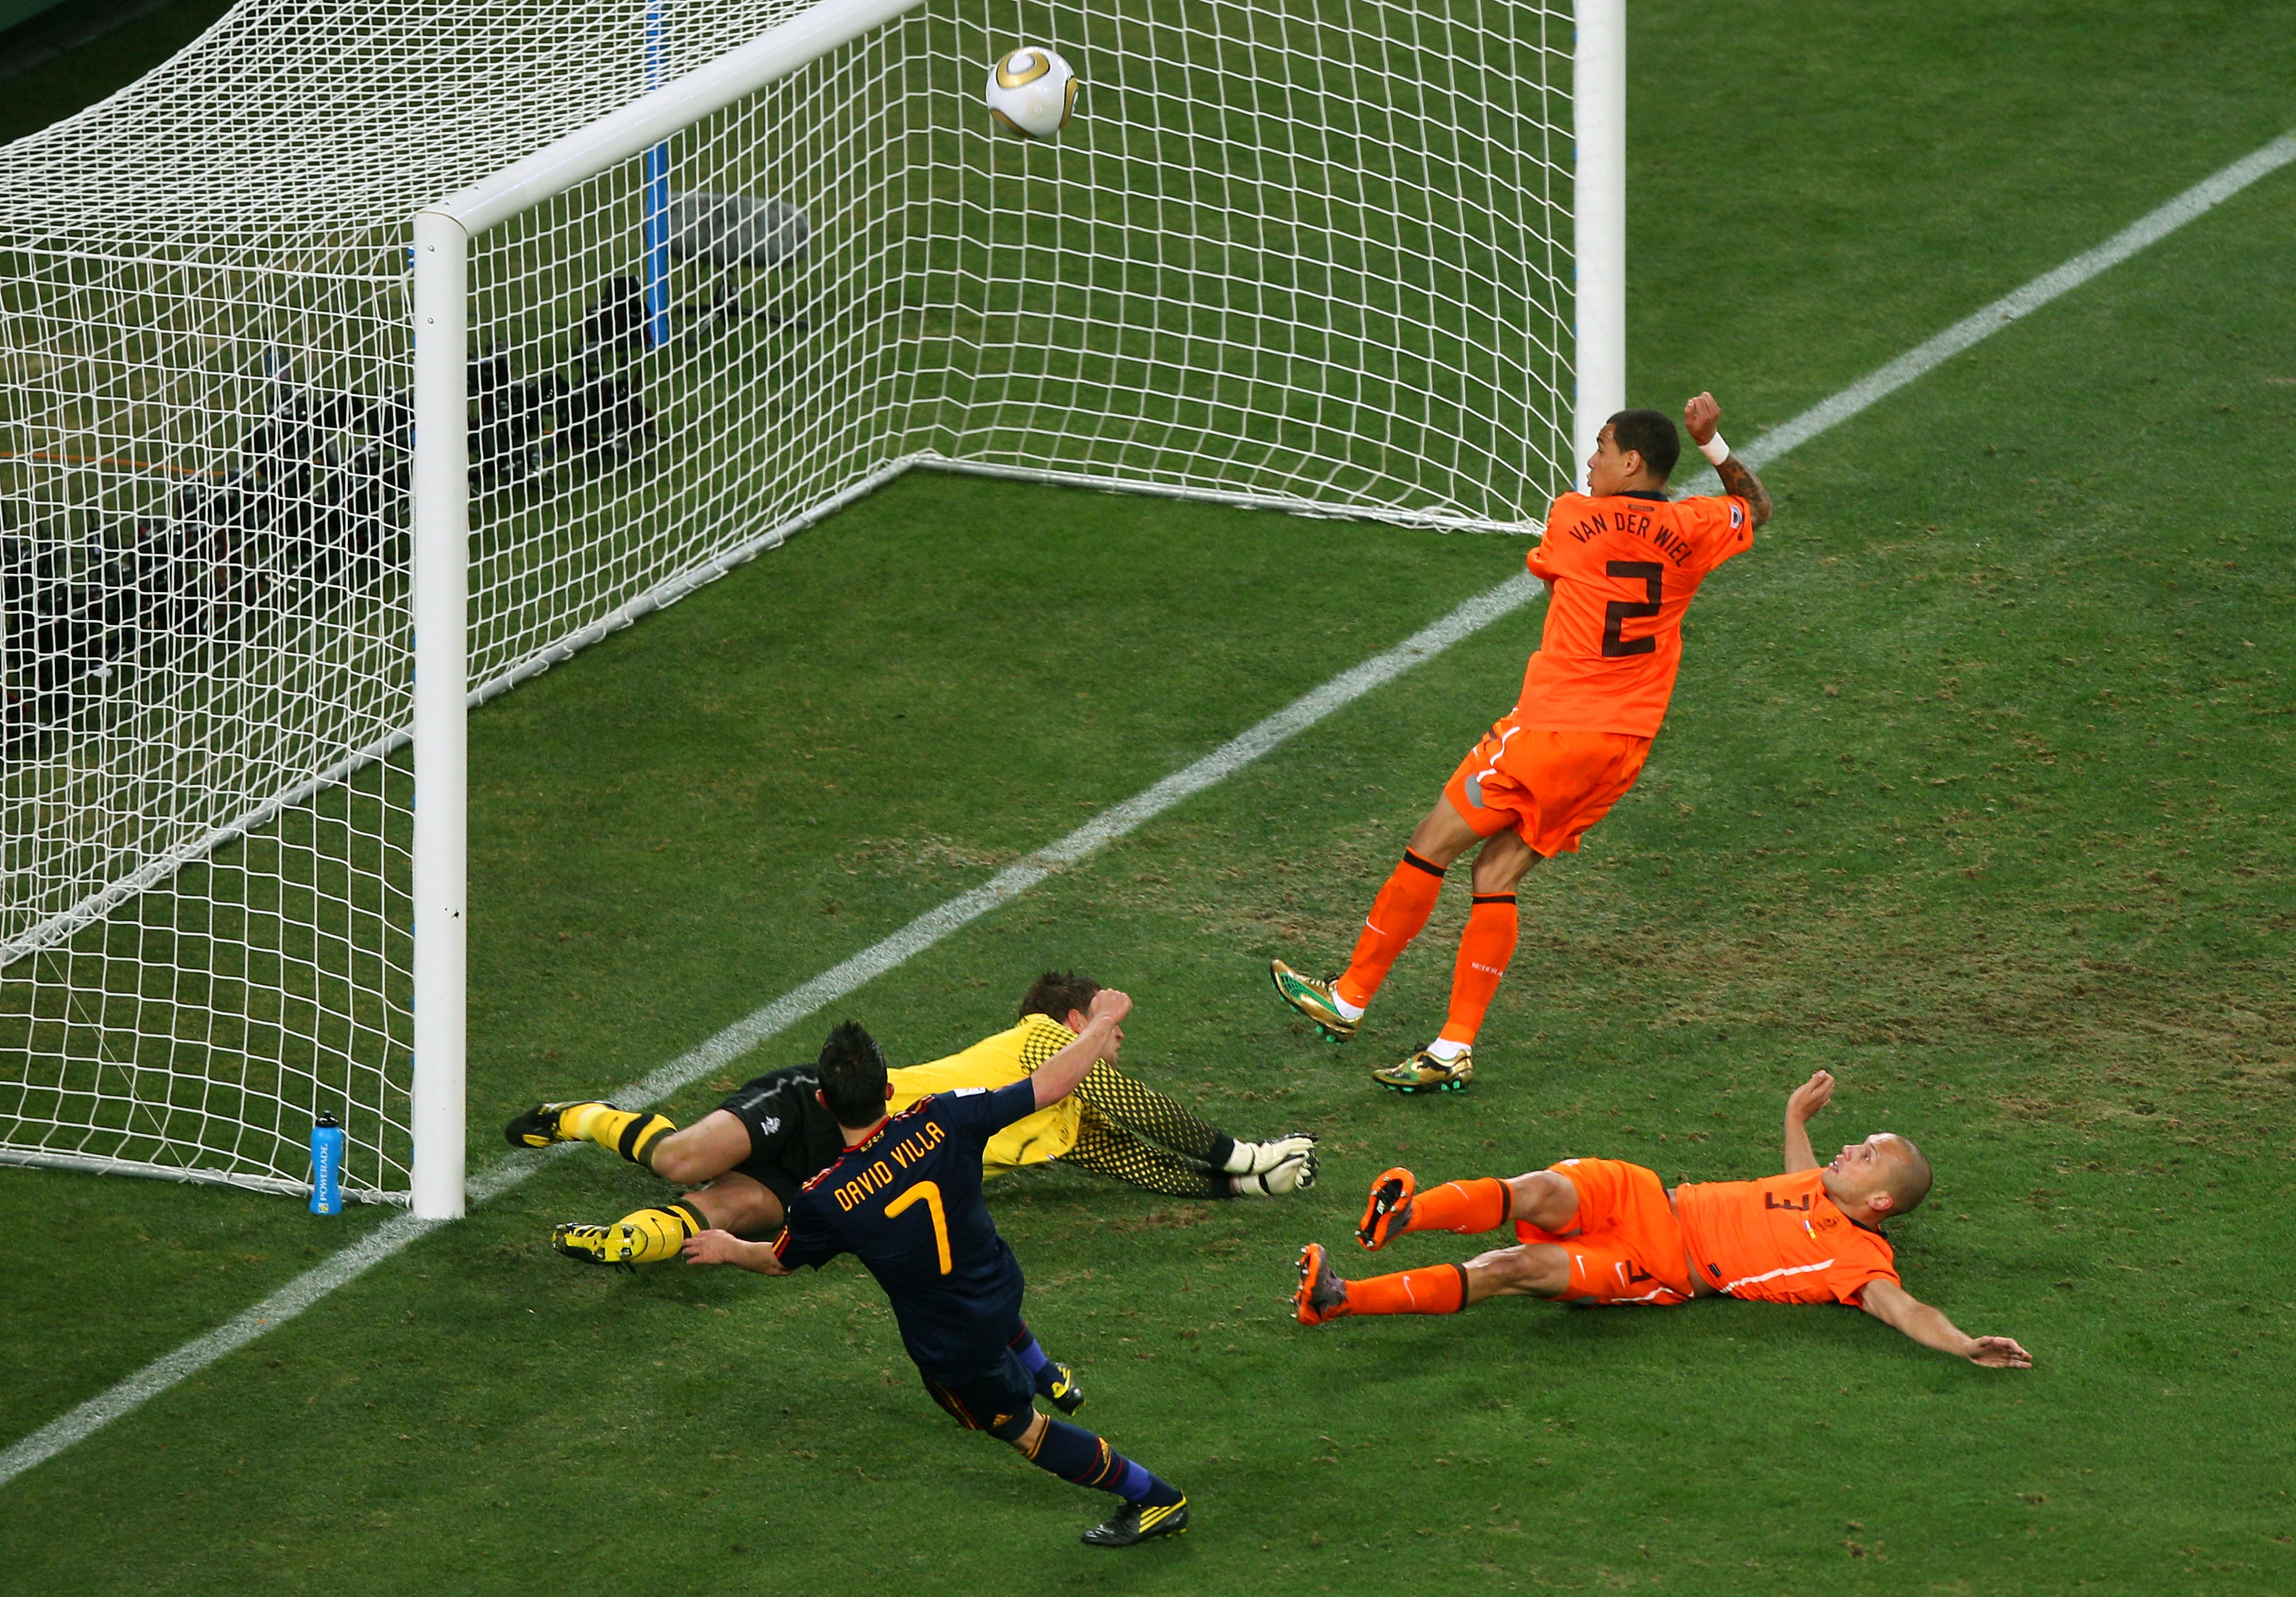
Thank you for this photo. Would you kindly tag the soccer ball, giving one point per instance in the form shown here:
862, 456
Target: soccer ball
1032, 91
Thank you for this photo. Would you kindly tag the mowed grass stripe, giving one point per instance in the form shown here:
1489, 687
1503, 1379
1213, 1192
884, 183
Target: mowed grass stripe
939, 923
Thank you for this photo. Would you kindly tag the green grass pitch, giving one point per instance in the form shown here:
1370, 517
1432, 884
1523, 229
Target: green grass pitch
1973, 791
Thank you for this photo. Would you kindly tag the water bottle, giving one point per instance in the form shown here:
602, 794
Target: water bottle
326, 1167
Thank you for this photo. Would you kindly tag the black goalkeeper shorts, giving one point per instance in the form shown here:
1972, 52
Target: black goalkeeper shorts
775, 1111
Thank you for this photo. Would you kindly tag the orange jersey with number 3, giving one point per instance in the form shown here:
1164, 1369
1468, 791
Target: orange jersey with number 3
1779, 1240
1624, 570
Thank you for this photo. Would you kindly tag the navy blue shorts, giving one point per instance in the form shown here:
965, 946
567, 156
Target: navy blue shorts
1001, 1400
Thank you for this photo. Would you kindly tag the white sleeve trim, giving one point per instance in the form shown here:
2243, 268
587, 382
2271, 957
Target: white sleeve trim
1748, 1280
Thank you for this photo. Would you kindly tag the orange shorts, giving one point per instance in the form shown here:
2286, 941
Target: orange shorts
1549, 786
1628, 1247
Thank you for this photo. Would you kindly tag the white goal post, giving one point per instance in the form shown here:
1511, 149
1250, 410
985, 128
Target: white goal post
1355, 258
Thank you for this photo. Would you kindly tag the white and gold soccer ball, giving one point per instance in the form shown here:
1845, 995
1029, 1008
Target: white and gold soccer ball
1032, 91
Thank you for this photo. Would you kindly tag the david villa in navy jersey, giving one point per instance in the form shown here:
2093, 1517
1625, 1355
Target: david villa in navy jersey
905, 1199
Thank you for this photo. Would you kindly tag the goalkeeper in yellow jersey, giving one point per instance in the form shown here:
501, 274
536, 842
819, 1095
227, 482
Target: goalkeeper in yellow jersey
747, 1158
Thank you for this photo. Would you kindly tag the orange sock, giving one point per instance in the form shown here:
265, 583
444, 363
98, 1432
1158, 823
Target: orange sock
1484, 949
1438, 1290
1465, 1206
1402, 907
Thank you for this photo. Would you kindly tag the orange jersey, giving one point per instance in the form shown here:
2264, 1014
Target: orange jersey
1779, 1240
1624, 570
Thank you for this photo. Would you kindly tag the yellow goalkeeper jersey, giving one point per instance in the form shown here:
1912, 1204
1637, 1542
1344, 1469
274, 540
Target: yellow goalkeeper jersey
999, 1061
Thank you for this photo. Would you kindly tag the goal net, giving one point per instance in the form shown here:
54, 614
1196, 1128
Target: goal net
686, 276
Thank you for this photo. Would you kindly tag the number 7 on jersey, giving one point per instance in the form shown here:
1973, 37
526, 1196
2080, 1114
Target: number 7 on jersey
929, 1194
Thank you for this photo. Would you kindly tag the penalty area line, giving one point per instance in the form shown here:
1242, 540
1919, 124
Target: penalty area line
395, 1235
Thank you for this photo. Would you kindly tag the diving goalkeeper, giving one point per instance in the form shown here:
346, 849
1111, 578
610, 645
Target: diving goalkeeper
1599, 1231
748, 1158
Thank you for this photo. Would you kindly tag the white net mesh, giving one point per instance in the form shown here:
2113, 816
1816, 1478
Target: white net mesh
1307, 256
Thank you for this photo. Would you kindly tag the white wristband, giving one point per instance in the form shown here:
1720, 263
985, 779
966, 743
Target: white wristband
1715, 450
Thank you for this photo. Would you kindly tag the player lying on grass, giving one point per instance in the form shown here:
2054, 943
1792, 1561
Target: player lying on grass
749, 1155
1600, 1230
1621, 563
904, 1198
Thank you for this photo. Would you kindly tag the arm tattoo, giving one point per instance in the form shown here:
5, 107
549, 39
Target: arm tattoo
1739, 481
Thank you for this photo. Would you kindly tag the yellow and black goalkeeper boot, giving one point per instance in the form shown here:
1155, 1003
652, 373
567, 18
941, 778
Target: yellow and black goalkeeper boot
543, 1125
647, 1236
633, 1134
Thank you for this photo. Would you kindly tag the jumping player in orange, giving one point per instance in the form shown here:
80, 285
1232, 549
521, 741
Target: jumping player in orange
1599, 1231
1621, 562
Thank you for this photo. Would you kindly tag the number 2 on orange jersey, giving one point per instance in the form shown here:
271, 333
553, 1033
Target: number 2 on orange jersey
1618, 612
929, 1194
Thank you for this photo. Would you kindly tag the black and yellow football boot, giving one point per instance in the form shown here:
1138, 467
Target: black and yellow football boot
1140, 1523
1058, 1384
541, 1125
653, 1235
634, 1133
608, 1245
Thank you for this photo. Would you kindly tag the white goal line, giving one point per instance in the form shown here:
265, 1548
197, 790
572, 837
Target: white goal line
393, 1236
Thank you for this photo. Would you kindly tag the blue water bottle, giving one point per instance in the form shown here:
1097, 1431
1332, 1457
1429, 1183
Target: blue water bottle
326, 1167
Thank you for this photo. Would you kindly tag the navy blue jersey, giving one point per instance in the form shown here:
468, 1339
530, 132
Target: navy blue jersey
906, 1203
